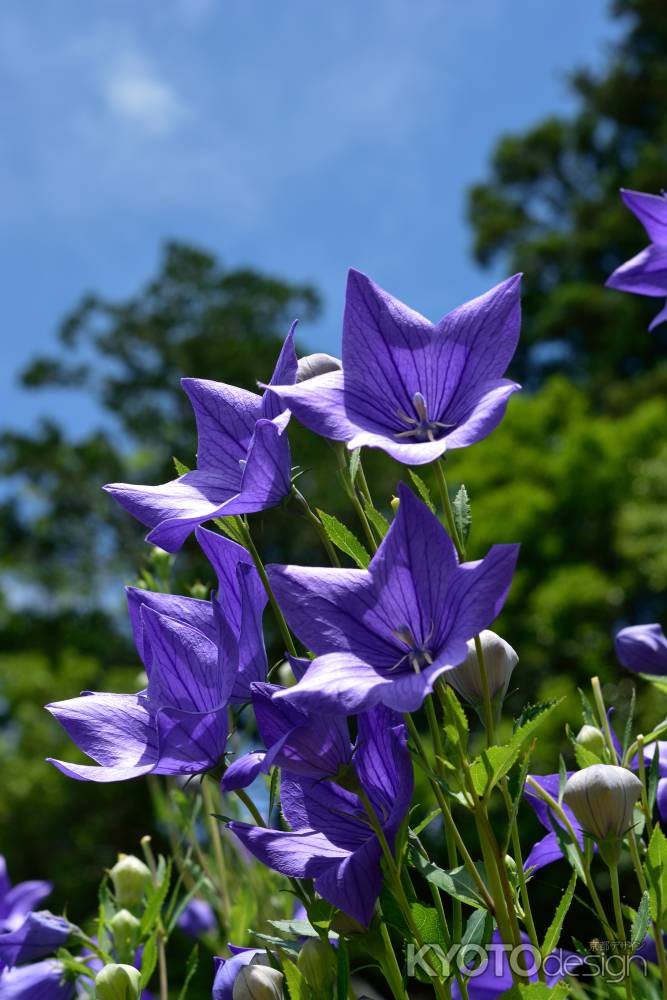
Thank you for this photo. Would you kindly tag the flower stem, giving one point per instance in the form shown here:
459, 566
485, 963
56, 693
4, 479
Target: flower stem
244, 531
250, 806
216, 843
391, 968
351, 490
620, 929
447, 506
489, 723
161, 937
311, 516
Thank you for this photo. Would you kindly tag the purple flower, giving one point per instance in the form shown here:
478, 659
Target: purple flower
16, 902
384, 635
243, 459
496, 977
310, 746
331, 840
646, 273
40, 981
177, 726
227, 969
547, 850
237, 609
197, 918
410, 387
40, 934
643, 648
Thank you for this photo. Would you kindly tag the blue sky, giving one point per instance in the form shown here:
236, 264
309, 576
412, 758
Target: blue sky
298, 137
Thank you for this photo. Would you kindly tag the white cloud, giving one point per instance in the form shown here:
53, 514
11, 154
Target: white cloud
134, 92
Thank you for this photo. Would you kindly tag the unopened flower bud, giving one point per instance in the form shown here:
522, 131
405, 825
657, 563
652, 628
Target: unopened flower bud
130, 877
395, 503
602, 797
125, 932
511, 868
499, 661
591, 739
258, 982
316, 364
316, 964
118, 982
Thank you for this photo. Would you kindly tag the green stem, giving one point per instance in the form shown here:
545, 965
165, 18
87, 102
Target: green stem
216, 843
311, 516
449, 513
523, 885
618, 914
602, 713
351, 489
259, 565
489, 723
250, 806
161, 937
392, 969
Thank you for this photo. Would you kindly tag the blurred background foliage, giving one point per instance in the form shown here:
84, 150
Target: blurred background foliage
577, 472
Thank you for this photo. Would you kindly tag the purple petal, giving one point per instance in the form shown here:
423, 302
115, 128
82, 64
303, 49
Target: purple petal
242, 772
227, 969
661, 799
116, 730
543, 852
184, 670
226, 418
643, 648
643, 274
198, 614
651, 210
39, 935
338, 684
414, 453
5, 883
267, 472
658, 319
190, 742
304, 854
17, 902
38, 981
283, 374
319, 404
309, 804
197, 918
384, 766
482, 413
353, 885
226, 556
252, 662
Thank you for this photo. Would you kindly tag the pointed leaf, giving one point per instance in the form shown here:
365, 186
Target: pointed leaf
341, 536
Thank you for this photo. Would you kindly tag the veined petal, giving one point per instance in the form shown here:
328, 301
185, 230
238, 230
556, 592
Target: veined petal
409, 453
338, 684
353, 885
226, 417
267, 472
242, 772
184, 671
17, 902
319, 404
190, 742
643, 648
116, 730
543, 852
643, 274
659, 318
283, 374
651, 210
481, 413
43, 980
384, 766
225, 556
39, 934
189, 610
303, 854
252, 662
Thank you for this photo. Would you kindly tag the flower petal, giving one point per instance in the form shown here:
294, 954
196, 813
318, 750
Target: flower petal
643, 648
283, 374
643, 274
190, 742
39, 934
481, 412
338, 684
319, 404
242, 772
651, 210
354, 884
198, 614
226, 418
303, 854
225, 556
184, 670
116, 730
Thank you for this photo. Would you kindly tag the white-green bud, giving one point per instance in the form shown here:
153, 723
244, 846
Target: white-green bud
591, 739
124, 928
316, 364
258, 982
130, 877
118, 982
602, 797
499, 660
316, 964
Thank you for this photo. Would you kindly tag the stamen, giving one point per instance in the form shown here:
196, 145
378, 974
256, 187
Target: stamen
420, 426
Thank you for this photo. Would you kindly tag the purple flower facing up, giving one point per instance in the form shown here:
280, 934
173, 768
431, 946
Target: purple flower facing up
643, 648
646, 273
383, 635
310, 746
237, 609
243, 459
39, 981
178, 725
408, 386
332, 841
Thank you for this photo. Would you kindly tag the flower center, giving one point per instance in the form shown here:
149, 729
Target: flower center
420, 426
418, 654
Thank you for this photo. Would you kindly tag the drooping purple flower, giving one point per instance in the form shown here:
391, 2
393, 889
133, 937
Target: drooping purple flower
178, 725
39, 981
197, 918
547, 850
243, 459
298, 743
383, 635
40, 934
646, 273
413, 388
16, 902
494, 978
331, 840
237, 607
227, 969
643, 648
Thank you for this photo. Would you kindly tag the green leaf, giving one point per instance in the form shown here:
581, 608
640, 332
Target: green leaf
653, 777
425, 822
355, 461
587, 709
341, 536
190, 969
228, 526
552, 936
585, 757
181, 469
479, 926
457, 883
378, 520
656, 870
343, 975
462, 513
295, 928
148, 960
494, 763
296, 982
627, 735
641, 922
427, 923
155, 901
537, 991
423, 490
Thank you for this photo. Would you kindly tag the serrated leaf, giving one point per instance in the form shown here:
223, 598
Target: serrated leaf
190, 969
378, 520
537, 991
341, 536
427, 923
627, 735
296, 982
155, 900
148, 960
423, 490
552, 936
641, 922
585, 757
494, 763
462, 513
181, 468
587, 709
656, 871
457, 883
355, 461
478, 927
295, 928
229, 527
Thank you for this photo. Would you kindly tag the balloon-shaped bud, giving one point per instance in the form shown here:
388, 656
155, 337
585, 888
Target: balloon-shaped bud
118, 982
316, 364
316, 963
258, 982
602, 797
130, 877
499, 662
591, 738
125, 929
